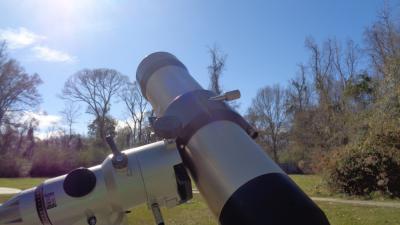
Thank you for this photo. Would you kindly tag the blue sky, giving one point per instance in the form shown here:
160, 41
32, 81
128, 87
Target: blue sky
264, 40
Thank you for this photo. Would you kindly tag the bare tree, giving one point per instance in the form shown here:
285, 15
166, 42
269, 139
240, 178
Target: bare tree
383, 41
321, 64
28, 153
332, 70
216, 68
109, 124
345, 62
136, 105
70, 114
300, 108
96, 88
18, 90
269, 109
299, 92
383, 48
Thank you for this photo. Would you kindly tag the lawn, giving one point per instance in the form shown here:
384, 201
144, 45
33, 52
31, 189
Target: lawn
196, 211
315, 186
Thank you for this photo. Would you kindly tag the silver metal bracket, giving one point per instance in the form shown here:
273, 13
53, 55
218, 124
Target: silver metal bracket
227, 96
119, 159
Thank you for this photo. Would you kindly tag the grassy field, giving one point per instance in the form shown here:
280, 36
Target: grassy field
196, 211
314, 186
20, 183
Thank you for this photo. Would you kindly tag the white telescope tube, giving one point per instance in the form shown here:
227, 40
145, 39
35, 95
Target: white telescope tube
240, 183
103, 194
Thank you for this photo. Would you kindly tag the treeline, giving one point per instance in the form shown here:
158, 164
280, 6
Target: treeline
323, 108
341, 113
22, 153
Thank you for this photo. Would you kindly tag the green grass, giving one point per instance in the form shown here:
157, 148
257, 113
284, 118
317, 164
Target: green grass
312, 185
196, 211
344, 214
4, 198
20, 183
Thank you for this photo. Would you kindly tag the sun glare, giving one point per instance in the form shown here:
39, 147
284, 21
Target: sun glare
64, 16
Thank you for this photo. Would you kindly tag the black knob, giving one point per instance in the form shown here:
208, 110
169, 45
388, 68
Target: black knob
92, 220
79, 182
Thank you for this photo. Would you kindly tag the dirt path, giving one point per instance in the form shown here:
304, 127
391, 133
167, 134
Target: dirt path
8, 191
351, 202
358, 202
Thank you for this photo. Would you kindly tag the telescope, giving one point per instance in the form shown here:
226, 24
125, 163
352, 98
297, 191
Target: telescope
203, 140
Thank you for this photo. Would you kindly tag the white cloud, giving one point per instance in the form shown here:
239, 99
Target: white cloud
51, 55
45, 121
19, 38
121, 124
48, 125
22, 38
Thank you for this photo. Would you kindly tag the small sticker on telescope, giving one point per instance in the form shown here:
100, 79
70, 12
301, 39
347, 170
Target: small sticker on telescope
50, 200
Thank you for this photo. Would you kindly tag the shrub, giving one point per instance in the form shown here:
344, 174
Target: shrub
305, 160
362, 170
51, 163
9, 166
91, 157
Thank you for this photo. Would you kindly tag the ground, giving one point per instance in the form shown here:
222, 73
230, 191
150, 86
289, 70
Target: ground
196, 211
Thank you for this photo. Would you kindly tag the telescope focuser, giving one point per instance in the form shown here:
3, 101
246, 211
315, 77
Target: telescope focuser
167, 127
119, 159
170, 127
